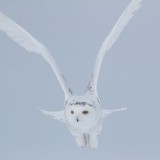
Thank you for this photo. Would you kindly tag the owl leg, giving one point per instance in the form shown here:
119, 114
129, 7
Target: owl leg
81, 140
93, 141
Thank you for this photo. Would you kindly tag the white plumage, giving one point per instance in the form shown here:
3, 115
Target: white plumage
82, 114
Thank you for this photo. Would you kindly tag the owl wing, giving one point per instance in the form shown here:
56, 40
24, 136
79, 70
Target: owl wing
58, 115
106, 112
25, 40
110, 40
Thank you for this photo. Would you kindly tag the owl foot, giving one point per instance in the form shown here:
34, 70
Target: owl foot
81, 141
93, 142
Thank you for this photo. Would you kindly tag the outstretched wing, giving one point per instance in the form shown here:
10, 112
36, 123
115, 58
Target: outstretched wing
58, 115
106, 112
24, 39
111, 39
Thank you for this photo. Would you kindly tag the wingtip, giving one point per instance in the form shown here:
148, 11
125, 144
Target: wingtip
123, 109
119, 109
138, 3
43, 111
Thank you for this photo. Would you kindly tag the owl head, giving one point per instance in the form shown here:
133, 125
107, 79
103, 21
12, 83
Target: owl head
81, 113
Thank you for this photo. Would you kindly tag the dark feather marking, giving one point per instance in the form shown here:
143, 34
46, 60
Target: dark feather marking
81, 104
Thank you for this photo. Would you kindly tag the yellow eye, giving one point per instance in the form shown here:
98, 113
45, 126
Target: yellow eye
72, 112
85, 112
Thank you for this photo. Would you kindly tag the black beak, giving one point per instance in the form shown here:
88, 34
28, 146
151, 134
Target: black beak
77, 120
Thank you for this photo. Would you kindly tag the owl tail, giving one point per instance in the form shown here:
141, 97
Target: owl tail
106, 112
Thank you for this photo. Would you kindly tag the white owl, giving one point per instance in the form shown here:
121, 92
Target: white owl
82, 114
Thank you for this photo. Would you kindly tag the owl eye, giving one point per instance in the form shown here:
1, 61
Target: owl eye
72, 112
85, 112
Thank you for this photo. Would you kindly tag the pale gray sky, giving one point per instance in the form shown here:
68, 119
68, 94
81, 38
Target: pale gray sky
73, 30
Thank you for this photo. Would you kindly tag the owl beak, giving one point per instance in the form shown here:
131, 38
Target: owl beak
77, 119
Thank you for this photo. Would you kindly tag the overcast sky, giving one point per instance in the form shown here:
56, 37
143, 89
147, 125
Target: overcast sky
73, 31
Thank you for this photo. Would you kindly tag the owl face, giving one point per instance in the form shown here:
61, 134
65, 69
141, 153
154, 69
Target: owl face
81, 115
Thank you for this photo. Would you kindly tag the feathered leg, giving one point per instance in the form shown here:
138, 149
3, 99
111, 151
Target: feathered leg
81, 141
93, 141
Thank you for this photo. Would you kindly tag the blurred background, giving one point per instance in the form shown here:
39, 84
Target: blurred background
73, 31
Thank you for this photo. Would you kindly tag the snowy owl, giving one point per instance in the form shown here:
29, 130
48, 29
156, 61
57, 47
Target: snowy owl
82, 114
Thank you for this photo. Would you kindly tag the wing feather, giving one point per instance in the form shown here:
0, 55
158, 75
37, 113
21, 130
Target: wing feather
106, 112
25, 40
58, 115
116, 31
